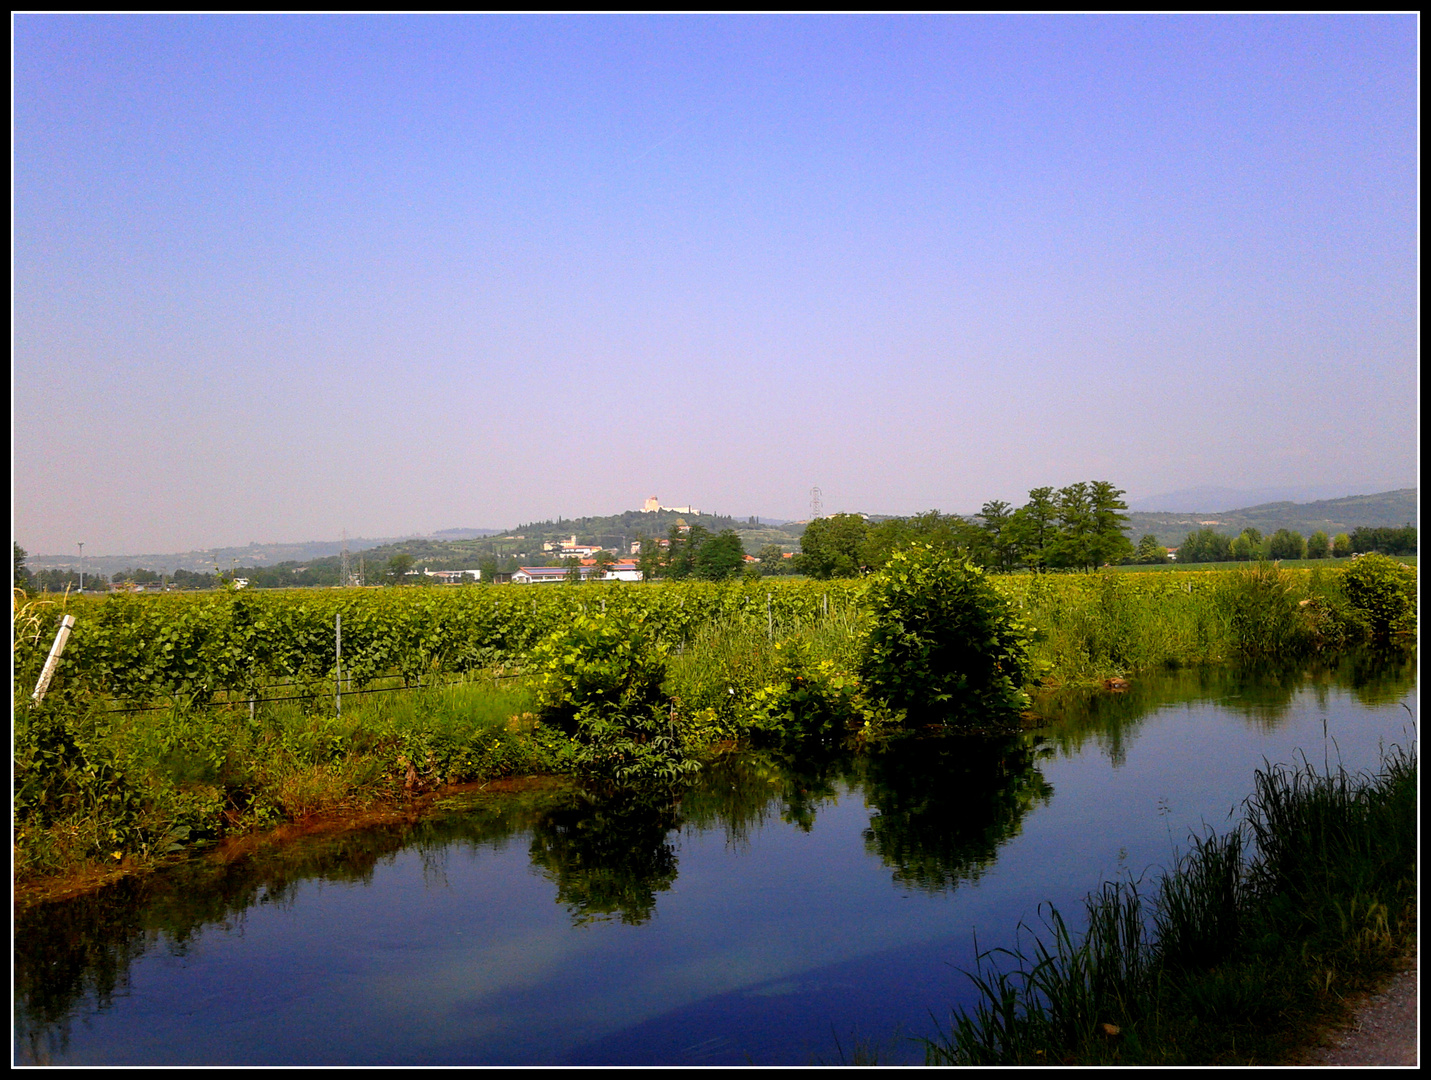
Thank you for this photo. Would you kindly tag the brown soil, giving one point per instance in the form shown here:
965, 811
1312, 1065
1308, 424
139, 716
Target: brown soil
1382, 1030
334, 821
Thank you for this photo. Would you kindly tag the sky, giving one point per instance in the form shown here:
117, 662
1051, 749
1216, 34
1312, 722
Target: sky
277, 277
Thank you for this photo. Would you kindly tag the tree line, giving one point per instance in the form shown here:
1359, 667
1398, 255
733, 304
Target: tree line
1206, 545
1078, 527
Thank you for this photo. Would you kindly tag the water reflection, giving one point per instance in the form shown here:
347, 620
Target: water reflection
74, 956
1263, 693
942, 807
608, 857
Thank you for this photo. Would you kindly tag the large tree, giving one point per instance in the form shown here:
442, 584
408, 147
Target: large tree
772, 560
831, 546
1106, 506
1205, 545
1150, 551
1286, 544
1072, 544
1034, 525
398, 566
680, 560
720, 557
1000, 537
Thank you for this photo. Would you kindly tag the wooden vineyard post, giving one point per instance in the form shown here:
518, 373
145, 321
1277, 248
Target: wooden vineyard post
53, 660
769, 618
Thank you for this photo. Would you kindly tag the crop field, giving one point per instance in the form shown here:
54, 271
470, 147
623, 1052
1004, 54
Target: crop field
198, 648
202, 646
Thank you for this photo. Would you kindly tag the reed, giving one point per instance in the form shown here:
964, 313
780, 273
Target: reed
1244, 954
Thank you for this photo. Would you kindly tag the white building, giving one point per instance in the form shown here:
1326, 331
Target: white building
653, 504
550, 575
454, 577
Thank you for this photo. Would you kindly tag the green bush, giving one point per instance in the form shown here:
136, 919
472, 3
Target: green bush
809, 699
942, 643
1384, 592
599, 679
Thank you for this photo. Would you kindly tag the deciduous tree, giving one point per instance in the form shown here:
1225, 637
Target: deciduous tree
831, 546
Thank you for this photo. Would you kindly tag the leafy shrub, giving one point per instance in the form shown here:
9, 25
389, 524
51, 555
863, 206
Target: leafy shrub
809, 699
1384, 593
941, 641
598, 662
599, 679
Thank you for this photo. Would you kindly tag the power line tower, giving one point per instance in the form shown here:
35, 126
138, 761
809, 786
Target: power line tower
347, 578
817, 504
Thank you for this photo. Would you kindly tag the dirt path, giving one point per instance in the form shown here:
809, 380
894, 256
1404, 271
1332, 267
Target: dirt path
1383, 1029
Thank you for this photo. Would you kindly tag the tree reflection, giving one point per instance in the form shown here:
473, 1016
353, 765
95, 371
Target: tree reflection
609, 856
74, 956
943, 806
1263, 693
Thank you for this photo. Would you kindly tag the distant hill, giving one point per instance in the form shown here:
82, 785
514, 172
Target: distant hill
1331, 516
1210, 497
204, 560
463, 548
454, 549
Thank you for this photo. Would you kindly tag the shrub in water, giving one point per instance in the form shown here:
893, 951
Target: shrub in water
599, 679
942, 642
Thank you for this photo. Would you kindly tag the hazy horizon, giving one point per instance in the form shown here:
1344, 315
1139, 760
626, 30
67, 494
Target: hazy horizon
277, 277
1140, 505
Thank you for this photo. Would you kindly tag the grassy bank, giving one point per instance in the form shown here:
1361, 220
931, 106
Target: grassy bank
106, 788
1254, 939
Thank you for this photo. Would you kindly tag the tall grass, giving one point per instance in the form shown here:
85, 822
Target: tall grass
713, 679
1091, 627
1252, 938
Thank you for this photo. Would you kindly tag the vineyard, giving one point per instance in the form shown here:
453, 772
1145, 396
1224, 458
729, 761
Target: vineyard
141, 651
197, 648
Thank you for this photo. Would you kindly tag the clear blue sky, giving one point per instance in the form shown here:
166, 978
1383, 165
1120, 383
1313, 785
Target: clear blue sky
280, 276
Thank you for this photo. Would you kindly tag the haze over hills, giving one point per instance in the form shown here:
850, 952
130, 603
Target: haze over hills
1200, 500
1332, 516
204, 560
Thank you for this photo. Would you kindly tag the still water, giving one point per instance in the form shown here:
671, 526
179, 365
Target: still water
778, 912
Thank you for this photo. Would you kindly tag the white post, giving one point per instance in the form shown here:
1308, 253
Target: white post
769, 618
338, 666
53, 660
